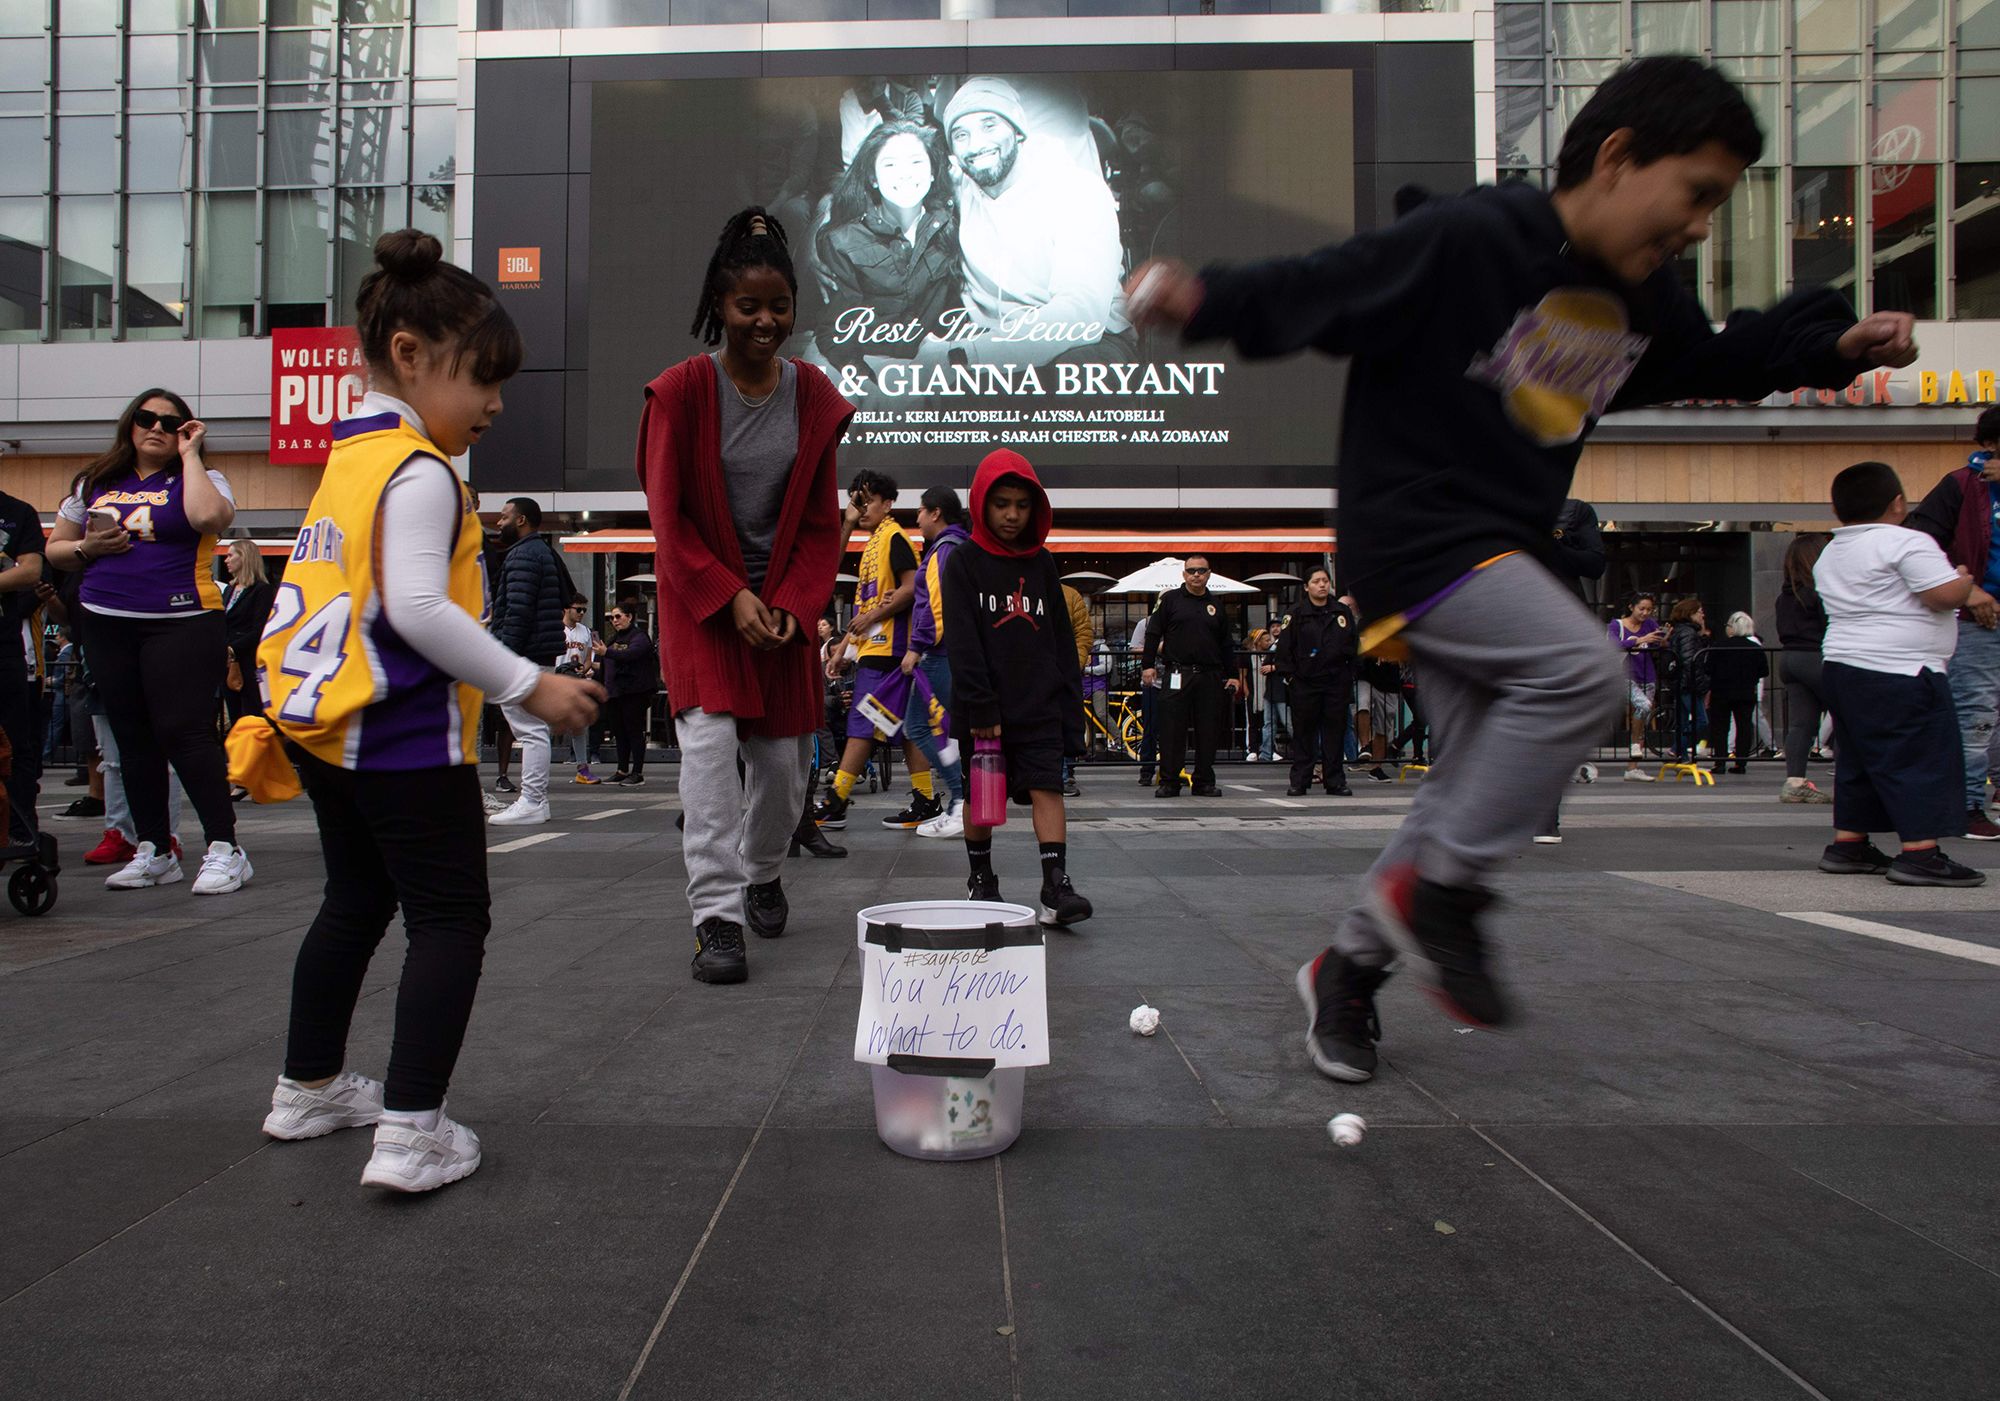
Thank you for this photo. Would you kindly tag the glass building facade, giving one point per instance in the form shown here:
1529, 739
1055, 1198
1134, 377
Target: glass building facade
213, 168
1881, 167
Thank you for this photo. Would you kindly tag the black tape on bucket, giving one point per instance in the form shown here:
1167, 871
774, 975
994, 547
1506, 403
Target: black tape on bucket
896, 937
942, 1065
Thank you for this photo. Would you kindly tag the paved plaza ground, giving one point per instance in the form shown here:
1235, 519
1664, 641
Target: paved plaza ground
1744, 1144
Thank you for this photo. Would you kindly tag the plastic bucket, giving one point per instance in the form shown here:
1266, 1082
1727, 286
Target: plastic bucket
946, 1108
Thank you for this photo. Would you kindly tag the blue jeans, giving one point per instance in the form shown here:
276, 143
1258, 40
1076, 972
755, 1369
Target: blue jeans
1975, 692
1274, 711
1693, 727
917, 724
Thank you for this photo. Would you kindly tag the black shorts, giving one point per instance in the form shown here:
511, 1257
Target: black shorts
1897, 764
1036, 764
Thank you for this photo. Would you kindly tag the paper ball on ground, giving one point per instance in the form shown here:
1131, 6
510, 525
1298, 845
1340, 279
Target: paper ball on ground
1145, 1020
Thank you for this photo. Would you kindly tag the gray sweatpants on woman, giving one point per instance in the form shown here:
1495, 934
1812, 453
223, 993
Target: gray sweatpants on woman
1517, 679
737, 828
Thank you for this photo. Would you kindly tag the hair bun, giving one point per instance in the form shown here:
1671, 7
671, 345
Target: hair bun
408, 255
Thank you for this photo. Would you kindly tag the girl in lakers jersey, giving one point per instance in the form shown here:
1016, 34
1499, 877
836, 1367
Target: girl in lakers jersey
141, 522
374, 664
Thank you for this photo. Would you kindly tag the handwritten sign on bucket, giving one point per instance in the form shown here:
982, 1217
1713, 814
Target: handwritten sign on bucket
932, 996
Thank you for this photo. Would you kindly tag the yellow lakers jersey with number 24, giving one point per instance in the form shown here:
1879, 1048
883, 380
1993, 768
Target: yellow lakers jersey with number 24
335, 676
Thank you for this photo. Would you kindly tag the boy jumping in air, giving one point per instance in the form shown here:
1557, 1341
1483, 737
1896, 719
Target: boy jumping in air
1513, 318
1014, 673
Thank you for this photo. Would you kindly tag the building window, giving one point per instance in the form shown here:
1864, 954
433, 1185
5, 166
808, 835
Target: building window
1976, 240
1823, 232
1747, 250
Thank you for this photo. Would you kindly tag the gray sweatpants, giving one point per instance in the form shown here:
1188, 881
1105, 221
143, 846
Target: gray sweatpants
737, 828
1516, 679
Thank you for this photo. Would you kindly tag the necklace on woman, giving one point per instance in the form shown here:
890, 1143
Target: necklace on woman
761, 400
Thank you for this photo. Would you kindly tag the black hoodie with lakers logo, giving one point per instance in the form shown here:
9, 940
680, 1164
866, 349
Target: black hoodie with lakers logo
1007, 627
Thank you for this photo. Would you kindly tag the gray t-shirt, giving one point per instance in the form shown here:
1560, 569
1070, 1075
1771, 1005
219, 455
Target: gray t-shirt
758, 448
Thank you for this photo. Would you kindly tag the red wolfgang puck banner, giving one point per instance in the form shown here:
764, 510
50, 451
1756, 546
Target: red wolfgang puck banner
316, 379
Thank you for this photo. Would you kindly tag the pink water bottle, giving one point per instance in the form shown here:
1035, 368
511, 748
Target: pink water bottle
988, 784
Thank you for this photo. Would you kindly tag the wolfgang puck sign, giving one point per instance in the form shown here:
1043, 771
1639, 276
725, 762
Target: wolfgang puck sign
317, 378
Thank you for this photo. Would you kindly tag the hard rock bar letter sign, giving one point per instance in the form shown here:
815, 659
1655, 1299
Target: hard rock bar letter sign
939, 995
317, 378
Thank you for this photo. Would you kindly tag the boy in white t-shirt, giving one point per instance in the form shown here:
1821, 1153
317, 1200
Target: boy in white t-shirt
1891, 596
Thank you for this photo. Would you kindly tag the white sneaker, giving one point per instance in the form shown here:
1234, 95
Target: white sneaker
412, 1159
350, 1102
1549, 839
522, 814
949, 824
1638, 776
1587, 774
223, 868
145, 869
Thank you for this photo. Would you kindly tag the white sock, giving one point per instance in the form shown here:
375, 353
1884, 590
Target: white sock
424, 1120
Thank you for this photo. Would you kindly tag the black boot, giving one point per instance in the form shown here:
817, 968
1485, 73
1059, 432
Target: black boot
808, 836
718, 952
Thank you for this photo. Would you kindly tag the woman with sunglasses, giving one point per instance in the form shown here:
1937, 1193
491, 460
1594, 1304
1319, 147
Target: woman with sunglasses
141, 522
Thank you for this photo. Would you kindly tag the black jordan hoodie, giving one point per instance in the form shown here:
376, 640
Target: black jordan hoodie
1006, 624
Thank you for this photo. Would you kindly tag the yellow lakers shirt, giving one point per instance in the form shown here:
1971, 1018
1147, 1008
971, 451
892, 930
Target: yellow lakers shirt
335, 676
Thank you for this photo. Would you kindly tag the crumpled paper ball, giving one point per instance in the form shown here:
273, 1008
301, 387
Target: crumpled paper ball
1145, 1020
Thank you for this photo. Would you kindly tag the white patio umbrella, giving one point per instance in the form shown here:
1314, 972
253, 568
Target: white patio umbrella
1163, 574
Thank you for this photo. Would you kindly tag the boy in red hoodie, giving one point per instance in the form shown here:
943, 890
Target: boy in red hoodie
1014, 674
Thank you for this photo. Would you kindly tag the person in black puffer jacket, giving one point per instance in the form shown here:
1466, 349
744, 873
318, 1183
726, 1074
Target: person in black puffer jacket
528, 607
1687, 650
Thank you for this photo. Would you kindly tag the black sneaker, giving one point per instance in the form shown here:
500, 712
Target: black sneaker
920, 811
1070, 790
1932, 867
85, 806
1295, 792
1207, 790
831, 812
1341, 792
767, 909
1145, 778
1341, 1025
1061, 905
1167, 790
1435, 927
632, 780
718, 952
504, 784
982, 885
1862, 858
1377, 775
1979, 827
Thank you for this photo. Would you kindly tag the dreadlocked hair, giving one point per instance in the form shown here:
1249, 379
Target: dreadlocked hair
751, 239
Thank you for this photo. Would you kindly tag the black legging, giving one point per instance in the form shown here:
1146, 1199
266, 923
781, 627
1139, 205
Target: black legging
1805, 703
414, 838
237, 704
1721, 710
628, 726
17, 718
158, 679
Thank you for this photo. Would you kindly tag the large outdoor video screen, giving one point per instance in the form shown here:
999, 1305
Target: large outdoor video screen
961, 243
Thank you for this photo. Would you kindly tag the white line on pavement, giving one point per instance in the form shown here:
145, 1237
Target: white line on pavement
522, 842
1281, 803
1889, 933
608, 812
1241, 787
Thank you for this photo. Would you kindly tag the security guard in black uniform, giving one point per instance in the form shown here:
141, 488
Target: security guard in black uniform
1188, 639
1315, 654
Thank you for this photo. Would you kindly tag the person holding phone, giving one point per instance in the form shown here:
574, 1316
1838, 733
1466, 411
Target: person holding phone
141, 522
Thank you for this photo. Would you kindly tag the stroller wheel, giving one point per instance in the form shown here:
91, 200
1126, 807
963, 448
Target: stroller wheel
32, 890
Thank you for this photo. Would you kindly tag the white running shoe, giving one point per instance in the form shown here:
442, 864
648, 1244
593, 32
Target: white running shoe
1587, 774
223, 868
411, 1159
1639, 776
522, 814
949, 824
350, 1102
145, 869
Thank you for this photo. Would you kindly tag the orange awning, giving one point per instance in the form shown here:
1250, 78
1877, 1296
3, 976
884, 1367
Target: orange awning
1247, 541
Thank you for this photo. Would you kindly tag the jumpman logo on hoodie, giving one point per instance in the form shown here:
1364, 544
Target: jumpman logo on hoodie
1019, 606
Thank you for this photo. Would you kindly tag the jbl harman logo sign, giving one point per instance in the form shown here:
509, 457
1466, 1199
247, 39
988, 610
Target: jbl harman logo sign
520, 267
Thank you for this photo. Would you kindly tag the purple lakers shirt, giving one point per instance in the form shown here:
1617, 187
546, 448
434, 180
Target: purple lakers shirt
170, 570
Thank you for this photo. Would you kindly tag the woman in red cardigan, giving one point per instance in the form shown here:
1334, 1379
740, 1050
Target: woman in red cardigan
736, 453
